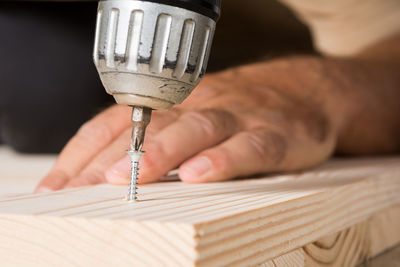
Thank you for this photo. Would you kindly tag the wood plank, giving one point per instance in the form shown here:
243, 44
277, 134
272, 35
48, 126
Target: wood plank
20, 173
349, 247
294, 258
236, 223
390, 258
358, 243
384, 230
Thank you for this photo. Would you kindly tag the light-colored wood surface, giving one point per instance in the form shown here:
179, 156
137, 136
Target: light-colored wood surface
385, 230
357, 243
290, 259
20, 173
350, 247
390, 258
237, 223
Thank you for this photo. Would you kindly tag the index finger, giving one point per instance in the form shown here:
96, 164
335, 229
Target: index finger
90, 139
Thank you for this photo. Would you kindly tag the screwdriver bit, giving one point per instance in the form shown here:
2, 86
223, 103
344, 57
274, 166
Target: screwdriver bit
140, 119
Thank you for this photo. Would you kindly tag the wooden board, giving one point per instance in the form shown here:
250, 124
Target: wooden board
237, 223
357, 243
349, 247
20, 173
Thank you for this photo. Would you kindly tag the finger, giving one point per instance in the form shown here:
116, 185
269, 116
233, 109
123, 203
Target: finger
94, 172
120, 173
249, 153
191, 133
90, 139
201, 94
161, 119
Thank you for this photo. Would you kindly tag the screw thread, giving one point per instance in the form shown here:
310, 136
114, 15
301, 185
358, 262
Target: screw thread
132, 193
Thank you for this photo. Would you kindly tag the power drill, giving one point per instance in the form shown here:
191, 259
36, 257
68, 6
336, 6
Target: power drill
151, 54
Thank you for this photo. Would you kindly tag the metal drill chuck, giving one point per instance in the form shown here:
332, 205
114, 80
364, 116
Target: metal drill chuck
152, 54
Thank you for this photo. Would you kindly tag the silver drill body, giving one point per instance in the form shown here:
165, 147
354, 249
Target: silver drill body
150, 54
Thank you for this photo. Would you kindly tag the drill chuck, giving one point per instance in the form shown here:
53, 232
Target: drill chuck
153, 53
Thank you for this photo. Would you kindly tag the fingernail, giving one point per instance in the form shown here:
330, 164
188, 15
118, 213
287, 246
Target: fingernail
195, 168
119, 172
42, 189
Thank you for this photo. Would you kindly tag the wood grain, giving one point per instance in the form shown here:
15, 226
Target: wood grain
349, 247
20, 173
292, 259
236, 223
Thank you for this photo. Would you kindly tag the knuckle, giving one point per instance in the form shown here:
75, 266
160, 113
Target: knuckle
154, 155
94, 133
269, 146
212, 121
149, 162
201, 119
174, 112
90, 177
318, 126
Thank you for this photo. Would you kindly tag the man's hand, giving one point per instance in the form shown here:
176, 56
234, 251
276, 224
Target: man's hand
279, 116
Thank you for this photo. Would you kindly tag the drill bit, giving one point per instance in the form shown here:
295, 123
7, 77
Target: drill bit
140, 119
